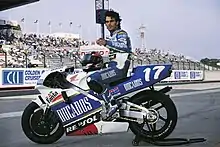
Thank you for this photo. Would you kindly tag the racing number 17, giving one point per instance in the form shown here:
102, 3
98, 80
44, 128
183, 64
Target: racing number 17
158, 69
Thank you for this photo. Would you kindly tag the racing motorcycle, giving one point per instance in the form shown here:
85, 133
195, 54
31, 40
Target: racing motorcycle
67, 105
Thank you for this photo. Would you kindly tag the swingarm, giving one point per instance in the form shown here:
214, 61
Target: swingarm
133, 112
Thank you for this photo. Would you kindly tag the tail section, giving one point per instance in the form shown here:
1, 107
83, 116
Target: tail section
143, 77
152, 73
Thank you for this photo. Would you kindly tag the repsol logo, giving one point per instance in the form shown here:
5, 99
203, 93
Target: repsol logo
75, 109
90, 120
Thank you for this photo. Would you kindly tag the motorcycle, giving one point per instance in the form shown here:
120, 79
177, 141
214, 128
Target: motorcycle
67, 105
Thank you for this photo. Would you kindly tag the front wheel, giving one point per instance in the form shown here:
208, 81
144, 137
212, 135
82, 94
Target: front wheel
161, 126
40, 128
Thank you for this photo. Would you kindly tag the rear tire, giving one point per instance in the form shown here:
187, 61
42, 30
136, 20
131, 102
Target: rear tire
154, 97
36, 129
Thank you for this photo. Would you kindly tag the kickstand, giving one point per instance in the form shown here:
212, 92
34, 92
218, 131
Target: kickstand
165, 142
137, 139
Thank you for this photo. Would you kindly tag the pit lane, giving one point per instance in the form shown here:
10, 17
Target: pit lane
199, 116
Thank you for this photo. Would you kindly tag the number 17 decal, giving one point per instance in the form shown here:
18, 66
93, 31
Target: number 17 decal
148, 70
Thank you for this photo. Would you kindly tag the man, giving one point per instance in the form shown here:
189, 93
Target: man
120, 48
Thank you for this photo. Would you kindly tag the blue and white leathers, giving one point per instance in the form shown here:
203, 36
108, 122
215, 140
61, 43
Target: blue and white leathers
119, 45
119, 40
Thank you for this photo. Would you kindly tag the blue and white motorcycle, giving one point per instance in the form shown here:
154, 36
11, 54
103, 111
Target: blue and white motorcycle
67, 105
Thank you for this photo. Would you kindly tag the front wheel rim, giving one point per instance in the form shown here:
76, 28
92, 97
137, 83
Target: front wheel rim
40, 126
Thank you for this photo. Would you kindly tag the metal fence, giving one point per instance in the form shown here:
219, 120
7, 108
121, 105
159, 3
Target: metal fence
177, 65
59, 61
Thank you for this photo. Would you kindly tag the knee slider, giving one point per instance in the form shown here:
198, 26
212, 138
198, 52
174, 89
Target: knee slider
94, 85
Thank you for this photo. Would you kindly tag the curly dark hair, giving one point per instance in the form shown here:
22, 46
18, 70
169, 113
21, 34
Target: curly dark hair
115, 15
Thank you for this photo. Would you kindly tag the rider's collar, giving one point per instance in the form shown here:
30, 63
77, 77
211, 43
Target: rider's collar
114, 32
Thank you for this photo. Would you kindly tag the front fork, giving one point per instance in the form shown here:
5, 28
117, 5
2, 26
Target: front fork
41, 103
48, 115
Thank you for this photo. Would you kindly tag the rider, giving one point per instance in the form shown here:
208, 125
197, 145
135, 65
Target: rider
120, 48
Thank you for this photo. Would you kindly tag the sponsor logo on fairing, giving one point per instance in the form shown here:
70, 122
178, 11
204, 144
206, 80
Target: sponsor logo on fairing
51, 95
74, 109
74, 78
115, 91
133, 84
83, 123
108, 74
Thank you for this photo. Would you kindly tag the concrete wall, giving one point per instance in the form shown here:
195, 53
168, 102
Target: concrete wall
211, 75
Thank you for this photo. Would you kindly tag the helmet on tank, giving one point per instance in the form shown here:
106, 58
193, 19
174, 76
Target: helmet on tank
92, 61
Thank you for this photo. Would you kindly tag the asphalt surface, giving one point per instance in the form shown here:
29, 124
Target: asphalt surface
4, 93
199, 116
31, 91
7, 93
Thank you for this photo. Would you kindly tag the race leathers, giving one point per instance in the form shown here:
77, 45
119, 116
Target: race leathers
119, 45
119, 42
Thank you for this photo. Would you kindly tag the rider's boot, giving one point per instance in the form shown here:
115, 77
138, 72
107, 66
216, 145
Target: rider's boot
112, 104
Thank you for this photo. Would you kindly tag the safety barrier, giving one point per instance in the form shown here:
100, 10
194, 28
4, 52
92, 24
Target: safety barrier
19, 77
27, 77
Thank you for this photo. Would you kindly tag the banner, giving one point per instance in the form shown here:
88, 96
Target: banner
12, 77
20, 77
32, 75
27, 77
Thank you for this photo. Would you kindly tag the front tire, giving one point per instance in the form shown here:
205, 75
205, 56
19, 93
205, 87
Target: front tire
150, 99
38, 130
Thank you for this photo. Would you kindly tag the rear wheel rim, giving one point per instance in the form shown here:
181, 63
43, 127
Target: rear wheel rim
152, 127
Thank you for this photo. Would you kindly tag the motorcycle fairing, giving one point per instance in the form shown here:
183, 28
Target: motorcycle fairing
142, 77
79, 126
81, 107
78, 108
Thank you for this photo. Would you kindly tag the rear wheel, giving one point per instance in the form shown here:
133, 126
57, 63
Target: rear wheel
39, 128
165, 121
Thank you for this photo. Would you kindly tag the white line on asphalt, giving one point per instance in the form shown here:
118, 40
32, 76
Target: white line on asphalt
19, 97
19, 113
194, 92
11, 114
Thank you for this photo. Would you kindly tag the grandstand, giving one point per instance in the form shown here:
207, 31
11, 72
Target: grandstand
58, 49
33, 50
179, 62
152, 56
